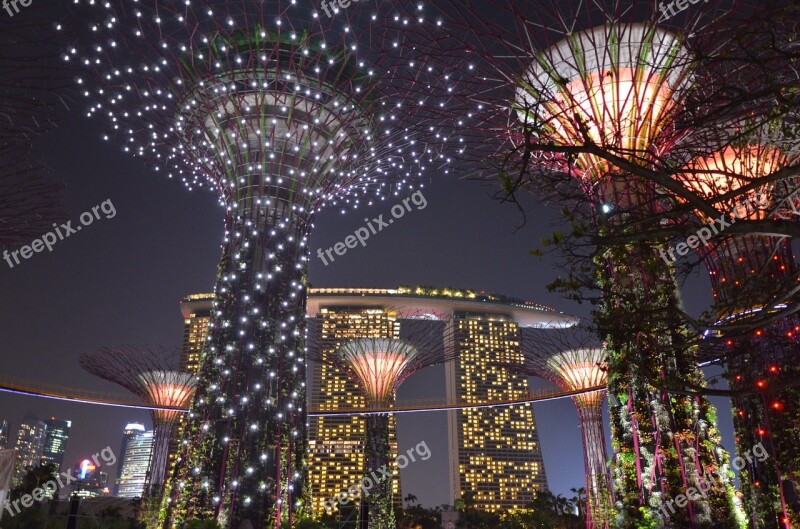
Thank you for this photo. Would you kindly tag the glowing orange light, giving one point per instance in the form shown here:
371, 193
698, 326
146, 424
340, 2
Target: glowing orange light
378, 365
581, 369
587, 94
171, 390
731, 168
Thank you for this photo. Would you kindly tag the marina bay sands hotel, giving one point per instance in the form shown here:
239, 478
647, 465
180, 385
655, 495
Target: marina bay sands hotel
495, 458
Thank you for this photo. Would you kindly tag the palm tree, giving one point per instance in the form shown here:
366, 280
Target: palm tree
580, 500
562, 505
410, 499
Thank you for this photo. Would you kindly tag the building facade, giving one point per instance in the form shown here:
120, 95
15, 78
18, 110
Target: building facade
135, 462
130, 431
30, 444
336, 444
55, 441
495, 458
196, 311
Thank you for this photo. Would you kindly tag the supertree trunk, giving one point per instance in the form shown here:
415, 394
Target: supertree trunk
377, 452
744, 271
248, 418
664, 442
765, 424
599, 508
157, 469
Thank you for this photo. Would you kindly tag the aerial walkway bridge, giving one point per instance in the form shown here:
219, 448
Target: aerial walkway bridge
18, 386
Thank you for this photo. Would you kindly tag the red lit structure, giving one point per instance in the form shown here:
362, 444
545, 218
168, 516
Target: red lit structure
746, 271
569, 95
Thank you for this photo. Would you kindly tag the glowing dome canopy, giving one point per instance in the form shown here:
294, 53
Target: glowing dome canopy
379, 365
731, 168
581, 369
613, 85
170, 389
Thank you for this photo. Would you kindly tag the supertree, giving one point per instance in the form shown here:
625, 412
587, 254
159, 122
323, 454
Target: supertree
573, 360
589, 92
378, 366
282, 110
747, 273
153, 374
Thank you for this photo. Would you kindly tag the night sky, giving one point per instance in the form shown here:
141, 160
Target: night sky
119, 281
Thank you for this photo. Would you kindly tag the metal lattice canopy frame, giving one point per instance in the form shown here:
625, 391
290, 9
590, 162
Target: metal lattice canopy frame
281, 111
380, 365
154, 375
31, 102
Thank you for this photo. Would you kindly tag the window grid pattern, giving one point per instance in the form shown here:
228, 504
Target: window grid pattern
499, 462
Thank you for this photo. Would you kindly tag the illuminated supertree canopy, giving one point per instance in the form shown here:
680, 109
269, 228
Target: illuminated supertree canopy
566, 94
742, 267
573, 360
281, 111
745, 271
612, 85
378, 366
153, 374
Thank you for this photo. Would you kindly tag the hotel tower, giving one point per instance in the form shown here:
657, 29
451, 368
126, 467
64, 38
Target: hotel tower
495, 458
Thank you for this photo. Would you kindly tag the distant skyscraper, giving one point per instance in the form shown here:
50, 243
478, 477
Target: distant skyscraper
55, 442
495, 458
130, 431
30, 443
5, 434
196, 310
135, 462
